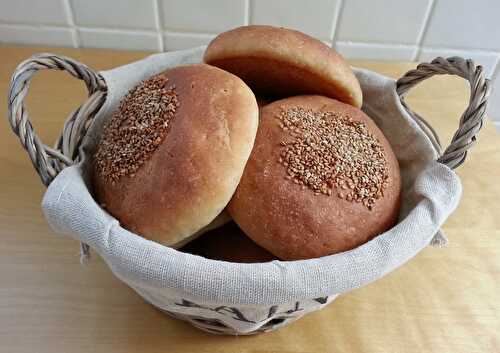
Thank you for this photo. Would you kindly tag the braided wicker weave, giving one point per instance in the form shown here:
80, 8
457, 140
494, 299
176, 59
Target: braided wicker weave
49, 161
472, 118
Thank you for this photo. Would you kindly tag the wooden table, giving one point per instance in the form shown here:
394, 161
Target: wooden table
445, 300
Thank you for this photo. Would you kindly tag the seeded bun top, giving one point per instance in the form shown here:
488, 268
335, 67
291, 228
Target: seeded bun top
281, 62
173, 153
321, 179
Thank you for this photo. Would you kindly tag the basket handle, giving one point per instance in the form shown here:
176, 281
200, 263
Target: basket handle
472, 118
49, 161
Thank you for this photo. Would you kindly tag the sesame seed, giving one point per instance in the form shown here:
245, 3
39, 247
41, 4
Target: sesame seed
136, 129
329, 151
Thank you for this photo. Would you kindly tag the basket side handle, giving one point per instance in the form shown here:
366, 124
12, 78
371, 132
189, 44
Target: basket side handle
472, 118
49, 161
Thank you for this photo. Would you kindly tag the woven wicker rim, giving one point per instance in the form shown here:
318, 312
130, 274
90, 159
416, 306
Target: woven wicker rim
472, 118
49, 161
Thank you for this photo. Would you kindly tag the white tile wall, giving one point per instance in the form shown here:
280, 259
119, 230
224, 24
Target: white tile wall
314, 18
379, 29
126, 14
203, 16
48, 12
100, 38
62, 37
377, 21
179, 41
464, 24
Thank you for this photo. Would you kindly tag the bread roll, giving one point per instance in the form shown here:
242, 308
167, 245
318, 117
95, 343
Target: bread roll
321, 179
171, 156
282, 62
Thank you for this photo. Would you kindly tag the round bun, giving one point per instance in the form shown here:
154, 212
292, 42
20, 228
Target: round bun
321, 179
282, 62
171, 156
228, 243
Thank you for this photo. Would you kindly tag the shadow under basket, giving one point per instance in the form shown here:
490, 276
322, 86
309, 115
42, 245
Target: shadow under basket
237, 298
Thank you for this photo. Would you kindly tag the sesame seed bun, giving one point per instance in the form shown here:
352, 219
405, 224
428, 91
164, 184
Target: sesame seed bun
291, 220
282, 62
188, 179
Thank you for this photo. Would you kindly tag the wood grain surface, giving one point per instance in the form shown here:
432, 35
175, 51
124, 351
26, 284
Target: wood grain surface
445, 300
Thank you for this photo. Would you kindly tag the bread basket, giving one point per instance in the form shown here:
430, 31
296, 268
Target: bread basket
230, 298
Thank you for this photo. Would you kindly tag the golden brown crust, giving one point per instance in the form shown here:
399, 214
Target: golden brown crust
292, 222
192, 175
283, 62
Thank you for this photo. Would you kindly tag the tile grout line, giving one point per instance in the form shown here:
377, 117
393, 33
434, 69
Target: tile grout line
248, 13
119, 30
34, 25
159, 25
194, 32
71, 21
206, 34
335, 22
423, 31
189, 31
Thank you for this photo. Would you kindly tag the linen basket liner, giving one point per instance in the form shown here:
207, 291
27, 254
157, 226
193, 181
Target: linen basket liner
431, 191
230, 298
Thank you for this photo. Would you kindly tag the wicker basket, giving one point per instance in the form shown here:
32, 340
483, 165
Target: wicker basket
50, 161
